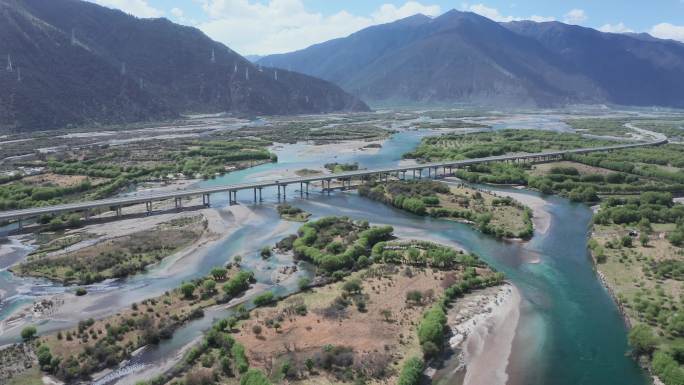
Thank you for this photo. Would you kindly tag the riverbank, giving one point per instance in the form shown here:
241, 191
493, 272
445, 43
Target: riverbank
483, 326
541, 217
105, 299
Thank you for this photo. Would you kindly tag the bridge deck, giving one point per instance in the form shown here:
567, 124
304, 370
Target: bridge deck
124, 201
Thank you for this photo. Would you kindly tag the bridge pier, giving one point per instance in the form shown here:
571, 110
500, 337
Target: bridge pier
284, 192
86, 214
232, 197
205, 200
148, 207
118, 211
307, 188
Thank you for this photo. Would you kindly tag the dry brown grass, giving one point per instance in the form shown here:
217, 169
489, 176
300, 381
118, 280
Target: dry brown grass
56, 180
170, 307
387, 327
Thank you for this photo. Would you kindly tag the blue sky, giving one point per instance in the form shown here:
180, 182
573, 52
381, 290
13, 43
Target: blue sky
274, 26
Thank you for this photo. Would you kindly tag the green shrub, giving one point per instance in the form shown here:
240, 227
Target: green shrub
641, 339
238, 283
431, 327
188, 290
254, 377
411, 372
264, 299
28, 333
668, 369
238, 352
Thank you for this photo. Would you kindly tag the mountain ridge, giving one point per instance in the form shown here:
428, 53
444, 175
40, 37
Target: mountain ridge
466, 58
81, 63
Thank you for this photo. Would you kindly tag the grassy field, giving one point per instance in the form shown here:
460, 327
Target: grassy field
360, 326
112, 258
74, 354
602, 126
502, 217
637, 245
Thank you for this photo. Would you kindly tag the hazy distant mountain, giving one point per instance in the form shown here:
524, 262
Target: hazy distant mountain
464, 57
630, 69
74, 62
254, 58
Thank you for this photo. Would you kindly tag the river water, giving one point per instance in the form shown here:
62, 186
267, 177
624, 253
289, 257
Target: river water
570, 331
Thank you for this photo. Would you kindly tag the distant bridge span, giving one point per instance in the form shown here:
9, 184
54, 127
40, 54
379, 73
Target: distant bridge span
345, 177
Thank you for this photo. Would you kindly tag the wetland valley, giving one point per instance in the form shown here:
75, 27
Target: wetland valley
509, 264
360, 192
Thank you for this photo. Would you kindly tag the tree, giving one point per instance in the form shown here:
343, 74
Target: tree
309, 363
256, 329
188, 290
641, 338
303, 283
414, 296
411, 372
209, 285
254, 377
643, 238
352, 286
430, 349
264, 299
219, 273
676, 325
265, 252
28, 333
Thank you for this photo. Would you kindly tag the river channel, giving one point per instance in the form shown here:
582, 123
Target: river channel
569, 332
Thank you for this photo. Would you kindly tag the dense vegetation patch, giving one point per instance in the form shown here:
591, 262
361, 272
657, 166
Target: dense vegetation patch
105, 170
114, 258
74, 354
341, 167
502, 217
292, 213
456, 146
337, 243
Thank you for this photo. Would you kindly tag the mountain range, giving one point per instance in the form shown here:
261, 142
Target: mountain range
71, 62
463, 57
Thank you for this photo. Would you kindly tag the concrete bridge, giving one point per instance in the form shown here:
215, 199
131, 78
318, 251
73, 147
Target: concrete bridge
416, 171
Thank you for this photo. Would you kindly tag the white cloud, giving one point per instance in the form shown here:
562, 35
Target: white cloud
541, 19
389, 12
668, 31
177, 13
615, 28
490, 13
139, 8
575, 16
494, 14
253, 27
